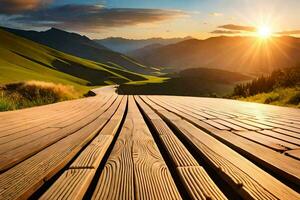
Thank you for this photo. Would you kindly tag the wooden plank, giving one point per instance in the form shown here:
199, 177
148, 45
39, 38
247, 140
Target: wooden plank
192, 111
191, 107
270, 124
183, 111
16, 140
116, 180
254, 123
14, 117
183, 102
217, 125
278, 163
282, 137
15, 153
33, 127
84, 114
289, 124
53, 113
273, 143
135, 168
291, 121
241, 124
294, 153
230, 125
176, 150
187, 167
199, 184
90, 158
285, 132
219, 114
240, 171
25, 178
73, 184
93, 153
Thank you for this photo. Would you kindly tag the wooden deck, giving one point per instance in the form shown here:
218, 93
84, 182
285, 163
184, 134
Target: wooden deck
150, 147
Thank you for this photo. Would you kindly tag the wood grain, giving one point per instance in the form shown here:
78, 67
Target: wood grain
75, 185
72, 184
135, 168
234, 168
199, 184
294, 153
187, 167
23, 179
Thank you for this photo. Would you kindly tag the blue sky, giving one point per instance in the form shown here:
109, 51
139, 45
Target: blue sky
153, 18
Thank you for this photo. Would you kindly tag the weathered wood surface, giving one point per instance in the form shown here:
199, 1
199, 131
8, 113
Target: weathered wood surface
150, 147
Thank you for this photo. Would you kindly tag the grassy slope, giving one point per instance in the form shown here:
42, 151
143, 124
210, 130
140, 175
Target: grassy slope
22, 59
81, 46
280, 97
33, 93
281, 87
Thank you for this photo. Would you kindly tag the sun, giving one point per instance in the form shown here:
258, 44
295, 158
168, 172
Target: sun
264, 32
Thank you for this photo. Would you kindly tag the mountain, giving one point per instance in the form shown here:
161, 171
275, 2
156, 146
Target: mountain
82, 46
124, 45
217, 75
22, 59
144, 50
241, 54
190, 82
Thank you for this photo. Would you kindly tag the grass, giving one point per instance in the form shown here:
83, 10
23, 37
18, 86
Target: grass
280, 97
34, 93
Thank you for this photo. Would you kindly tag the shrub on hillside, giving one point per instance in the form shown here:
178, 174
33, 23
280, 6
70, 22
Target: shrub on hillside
285, 78
279, 96
33, 93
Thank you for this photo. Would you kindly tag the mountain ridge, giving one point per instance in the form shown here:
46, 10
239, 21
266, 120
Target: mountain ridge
81, 46
242, 54
125, 45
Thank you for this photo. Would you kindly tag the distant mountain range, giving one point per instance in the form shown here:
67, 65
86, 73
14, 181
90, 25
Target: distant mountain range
124, 45
241, 54
82, 46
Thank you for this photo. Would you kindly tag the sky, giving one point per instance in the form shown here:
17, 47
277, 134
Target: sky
139, 19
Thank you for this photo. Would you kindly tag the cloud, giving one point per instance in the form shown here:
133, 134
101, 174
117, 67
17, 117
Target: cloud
238, 28
291, 32
93, 17
225, 32
216, 14
21, 6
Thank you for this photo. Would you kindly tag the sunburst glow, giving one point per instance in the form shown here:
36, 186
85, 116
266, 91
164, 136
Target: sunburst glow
264, 32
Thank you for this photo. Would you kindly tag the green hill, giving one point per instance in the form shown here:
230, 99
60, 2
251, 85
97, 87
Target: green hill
83, 47
281, 87
189, 82
22, 59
